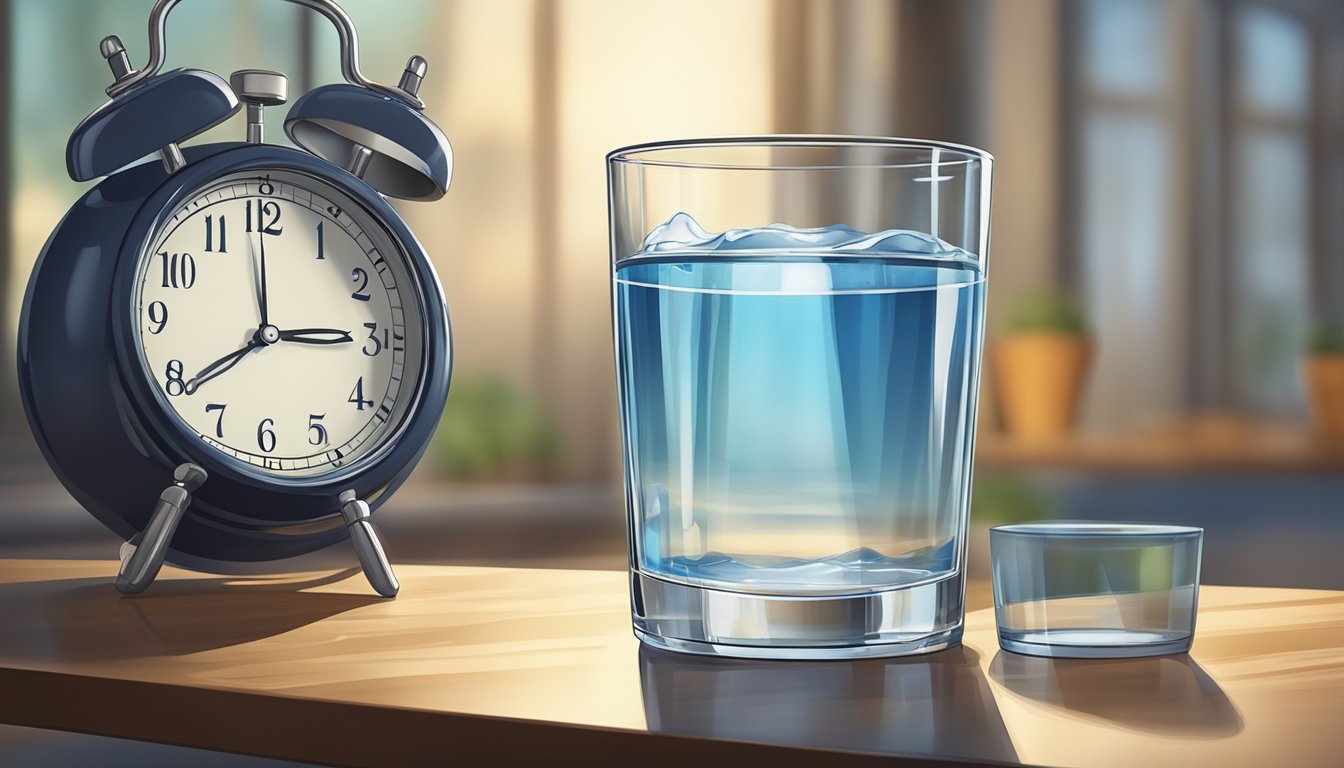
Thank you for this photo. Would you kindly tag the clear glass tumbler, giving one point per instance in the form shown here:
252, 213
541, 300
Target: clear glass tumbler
798, 327
1095, 590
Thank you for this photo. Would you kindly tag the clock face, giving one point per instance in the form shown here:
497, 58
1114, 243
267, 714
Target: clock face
279, 323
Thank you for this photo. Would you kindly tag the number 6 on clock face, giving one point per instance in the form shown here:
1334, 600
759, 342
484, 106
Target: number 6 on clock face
280, 324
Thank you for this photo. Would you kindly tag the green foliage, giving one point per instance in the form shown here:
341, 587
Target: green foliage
1054, 311
1327, 340
489, 427
1008, 497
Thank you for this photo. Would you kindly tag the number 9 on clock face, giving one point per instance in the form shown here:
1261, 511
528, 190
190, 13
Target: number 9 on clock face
279, 323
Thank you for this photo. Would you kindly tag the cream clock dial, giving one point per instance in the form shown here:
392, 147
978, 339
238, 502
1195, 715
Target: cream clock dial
279, 323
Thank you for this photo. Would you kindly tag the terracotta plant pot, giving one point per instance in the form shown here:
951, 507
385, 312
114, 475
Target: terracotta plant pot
1324, 374
1038, 380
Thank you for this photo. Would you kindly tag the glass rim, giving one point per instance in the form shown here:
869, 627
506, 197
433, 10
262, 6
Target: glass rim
1095, 529
624, 155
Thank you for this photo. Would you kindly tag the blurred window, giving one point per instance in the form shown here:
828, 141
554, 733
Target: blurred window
1201, 228
1129, 269
1273, 57
1123, 53
1330, 290
1270, 225
56, 44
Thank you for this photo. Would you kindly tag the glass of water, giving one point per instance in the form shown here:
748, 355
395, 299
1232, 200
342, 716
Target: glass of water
798, 327
1095, 590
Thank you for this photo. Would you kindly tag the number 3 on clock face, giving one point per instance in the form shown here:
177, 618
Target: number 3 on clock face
279, 324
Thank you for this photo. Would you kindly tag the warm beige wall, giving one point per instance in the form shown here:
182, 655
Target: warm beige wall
482, 235
537, 307
528, 288
1023, 133
631, 72
1022, 123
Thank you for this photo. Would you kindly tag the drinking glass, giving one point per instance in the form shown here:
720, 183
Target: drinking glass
1095, 590
798, 326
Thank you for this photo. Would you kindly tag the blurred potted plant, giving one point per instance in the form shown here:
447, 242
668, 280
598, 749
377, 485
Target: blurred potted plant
1039, 365
492, 432
1001, 498
1324, 375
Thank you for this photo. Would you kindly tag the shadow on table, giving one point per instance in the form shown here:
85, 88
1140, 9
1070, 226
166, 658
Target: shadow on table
1161, 694
939, 704
88, 620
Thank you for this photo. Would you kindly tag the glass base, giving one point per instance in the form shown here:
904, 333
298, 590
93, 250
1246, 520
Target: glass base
1095, 643
898, 622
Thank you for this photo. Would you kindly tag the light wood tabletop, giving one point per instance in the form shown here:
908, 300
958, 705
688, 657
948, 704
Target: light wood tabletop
504, 666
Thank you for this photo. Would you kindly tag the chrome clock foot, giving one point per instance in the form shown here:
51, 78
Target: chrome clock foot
367, 545
141, 563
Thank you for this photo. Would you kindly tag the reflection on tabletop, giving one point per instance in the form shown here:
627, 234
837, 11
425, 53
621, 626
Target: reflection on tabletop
1164, 694
937, 704
1263, 684
86, 619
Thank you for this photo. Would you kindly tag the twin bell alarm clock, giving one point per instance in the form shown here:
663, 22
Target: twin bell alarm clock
233, 353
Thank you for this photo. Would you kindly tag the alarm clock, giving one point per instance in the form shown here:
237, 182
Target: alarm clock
234, 353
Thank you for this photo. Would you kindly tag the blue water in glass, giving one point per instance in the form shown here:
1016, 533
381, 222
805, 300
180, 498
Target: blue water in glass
798, 407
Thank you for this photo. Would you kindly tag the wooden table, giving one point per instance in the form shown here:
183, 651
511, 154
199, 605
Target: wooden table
494, 666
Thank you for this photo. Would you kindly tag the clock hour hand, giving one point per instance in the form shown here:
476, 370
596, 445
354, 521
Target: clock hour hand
316, 336
221, 365
264, 337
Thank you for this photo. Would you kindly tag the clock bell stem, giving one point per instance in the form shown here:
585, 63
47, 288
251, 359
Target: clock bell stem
258, 89
172, 157
359, 160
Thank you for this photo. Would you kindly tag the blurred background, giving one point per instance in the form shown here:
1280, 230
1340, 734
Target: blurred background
1166, 276
1166, 292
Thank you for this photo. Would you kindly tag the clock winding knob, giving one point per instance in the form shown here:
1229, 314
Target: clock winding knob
259, 88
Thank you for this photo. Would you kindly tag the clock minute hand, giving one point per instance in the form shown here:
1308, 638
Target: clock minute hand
259, 274
220, 366
316, 336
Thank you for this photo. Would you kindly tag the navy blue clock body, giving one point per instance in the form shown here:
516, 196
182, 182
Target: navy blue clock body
92, 408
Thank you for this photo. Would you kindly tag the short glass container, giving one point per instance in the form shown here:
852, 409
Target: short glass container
1095, 590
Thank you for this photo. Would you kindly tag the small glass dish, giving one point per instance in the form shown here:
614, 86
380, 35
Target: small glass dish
1095, 590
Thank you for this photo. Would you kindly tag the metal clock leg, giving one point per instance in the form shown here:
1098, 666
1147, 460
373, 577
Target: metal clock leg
141, 564
367, 545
